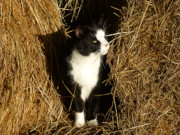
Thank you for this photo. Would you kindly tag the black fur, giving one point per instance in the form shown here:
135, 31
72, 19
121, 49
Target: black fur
85, 43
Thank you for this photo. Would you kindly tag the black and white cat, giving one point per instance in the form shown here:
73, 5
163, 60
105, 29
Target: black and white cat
85, 76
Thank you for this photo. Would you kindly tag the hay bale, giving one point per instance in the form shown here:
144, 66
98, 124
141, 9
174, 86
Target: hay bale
145, 68
28, 100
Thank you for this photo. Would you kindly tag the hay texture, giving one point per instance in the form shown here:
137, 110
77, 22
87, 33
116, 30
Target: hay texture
145, 68
28, 100
144, 59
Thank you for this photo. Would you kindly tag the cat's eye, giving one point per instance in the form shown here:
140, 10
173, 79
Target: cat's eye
94, 41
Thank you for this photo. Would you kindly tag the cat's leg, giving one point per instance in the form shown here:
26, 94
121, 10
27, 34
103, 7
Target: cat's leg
79, 110
92, 108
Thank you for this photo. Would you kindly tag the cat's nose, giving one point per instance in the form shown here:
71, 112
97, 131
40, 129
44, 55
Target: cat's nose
107, 45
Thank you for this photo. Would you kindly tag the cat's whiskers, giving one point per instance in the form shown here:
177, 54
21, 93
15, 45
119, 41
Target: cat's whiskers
102, 62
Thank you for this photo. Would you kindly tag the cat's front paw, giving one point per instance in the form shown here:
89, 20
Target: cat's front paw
79, 119
79, 124
93, 122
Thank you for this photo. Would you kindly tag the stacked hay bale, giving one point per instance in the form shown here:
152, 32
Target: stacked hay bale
28, 100
144, 62
145, 68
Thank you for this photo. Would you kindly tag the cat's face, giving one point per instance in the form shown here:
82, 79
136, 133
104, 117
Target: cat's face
91, 39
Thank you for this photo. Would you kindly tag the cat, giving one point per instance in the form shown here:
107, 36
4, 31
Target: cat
85, 72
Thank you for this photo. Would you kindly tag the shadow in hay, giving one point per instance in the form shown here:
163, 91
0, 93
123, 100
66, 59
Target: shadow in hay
55, 45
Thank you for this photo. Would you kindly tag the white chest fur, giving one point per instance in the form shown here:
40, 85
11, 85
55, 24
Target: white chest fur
85, 70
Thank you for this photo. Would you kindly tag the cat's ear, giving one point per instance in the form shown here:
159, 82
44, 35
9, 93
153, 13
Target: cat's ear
101, 21
79, 31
